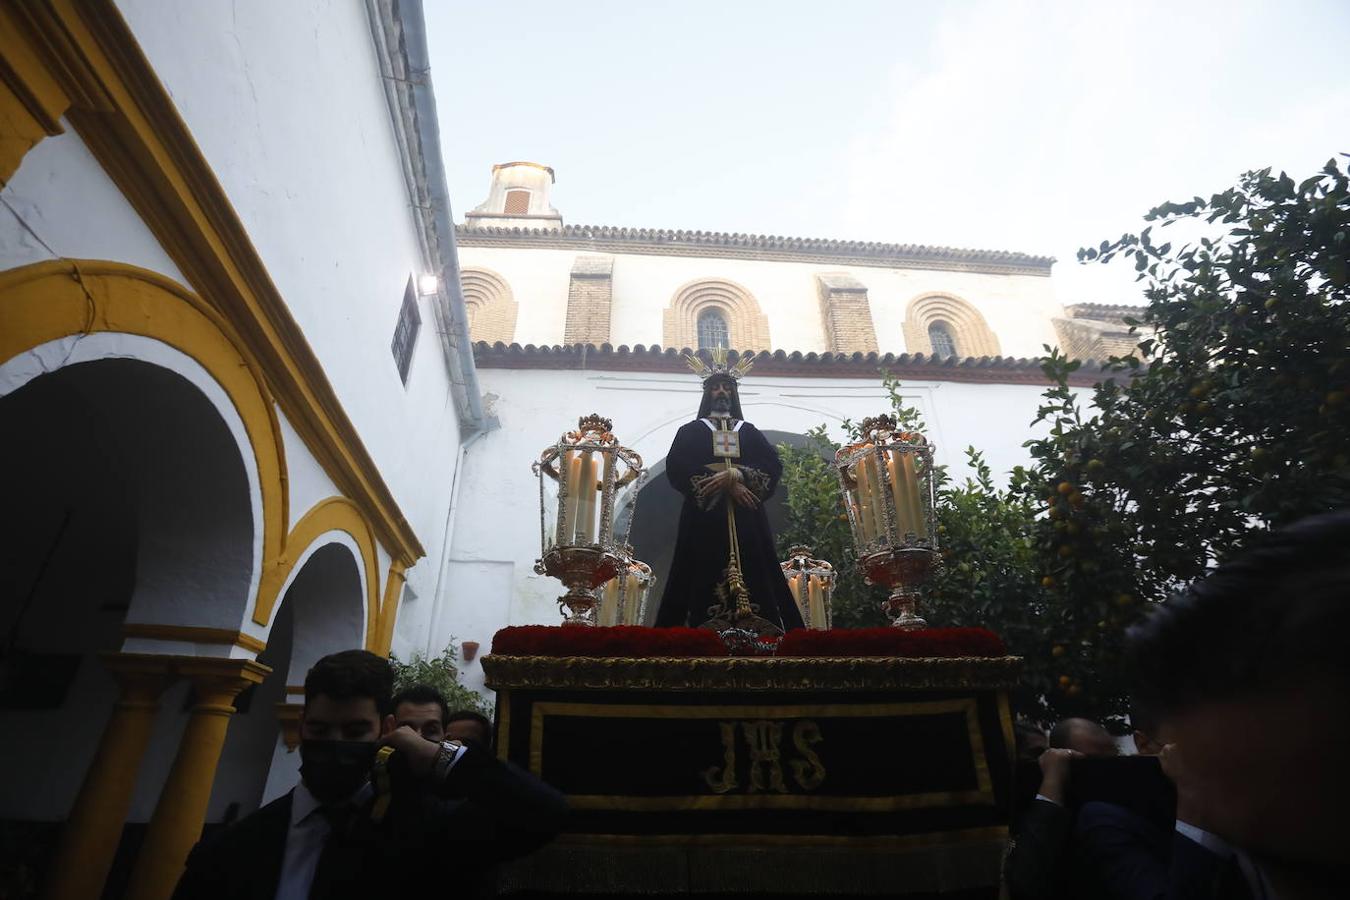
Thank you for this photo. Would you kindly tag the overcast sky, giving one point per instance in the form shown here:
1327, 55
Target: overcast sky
1032, 126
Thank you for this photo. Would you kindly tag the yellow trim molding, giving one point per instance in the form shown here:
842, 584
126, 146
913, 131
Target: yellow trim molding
393, 589
194, 635
331, 514
48, 301
80, 60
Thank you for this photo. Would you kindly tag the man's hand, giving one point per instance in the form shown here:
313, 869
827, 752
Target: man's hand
1055, 773
419, 752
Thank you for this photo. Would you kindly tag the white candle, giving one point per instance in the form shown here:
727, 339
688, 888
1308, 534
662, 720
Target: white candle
877, 504
913, 495
631, 591
571, 470
586, 499
900, 492
866, 521
609, 603
816, 603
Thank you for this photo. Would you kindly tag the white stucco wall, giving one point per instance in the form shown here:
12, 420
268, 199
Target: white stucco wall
491, 582
1017, 308
64, 196
286, 102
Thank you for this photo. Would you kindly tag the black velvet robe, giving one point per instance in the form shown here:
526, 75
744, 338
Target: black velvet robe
701, 547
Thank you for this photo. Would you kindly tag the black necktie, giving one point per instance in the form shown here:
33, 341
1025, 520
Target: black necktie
334, 861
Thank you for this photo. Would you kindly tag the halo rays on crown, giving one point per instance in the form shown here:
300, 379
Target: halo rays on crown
720, 366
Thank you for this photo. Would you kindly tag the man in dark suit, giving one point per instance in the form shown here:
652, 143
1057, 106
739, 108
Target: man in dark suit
1247, 673
1040, 864
434, 809
1127, 857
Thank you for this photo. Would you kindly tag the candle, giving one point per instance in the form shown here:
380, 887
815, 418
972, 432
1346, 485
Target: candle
878, 501
816, 603
866, 521
609, 603
913, 496
900, 492
794, 585
631, 592
636, 600
571, 470
586, 499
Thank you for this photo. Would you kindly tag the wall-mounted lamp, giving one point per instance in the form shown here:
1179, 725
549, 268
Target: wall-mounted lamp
428, 284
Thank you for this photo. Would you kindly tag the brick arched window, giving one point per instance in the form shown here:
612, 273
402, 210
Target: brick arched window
490, 305
944, 325
745, 326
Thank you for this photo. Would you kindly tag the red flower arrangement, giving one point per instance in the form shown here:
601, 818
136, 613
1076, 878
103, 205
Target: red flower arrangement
892, 642
619, 640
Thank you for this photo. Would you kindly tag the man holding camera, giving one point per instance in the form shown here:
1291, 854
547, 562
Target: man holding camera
365, 820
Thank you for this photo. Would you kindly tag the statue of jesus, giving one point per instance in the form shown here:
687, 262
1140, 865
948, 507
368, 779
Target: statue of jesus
724, 557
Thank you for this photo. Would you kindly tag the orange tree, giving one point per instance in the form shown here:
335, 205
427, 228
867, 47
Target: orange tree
1232, 417
989, 576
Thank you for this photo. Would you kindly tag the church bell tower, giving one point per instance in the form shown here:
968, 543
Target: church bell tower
518, 198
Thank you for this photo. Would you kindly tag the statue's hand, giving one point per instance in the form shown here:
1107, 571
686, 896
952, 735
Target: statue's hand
714, 483
744, 496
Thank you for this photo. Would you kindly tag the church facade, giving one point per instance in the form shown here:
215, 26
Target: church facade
577, 319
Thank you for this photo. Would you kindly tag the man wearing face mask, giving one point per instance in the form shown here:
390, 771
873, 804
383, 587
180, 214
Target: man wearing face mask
339, 834
726, 469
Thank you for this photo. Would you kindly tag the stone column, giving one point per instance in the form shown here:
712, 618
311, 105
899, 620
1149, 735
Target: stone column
94, 827
177, 822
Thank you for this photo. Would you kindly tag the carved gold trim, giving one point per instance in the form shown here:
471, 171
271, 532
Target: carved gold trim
994, 833
795, 673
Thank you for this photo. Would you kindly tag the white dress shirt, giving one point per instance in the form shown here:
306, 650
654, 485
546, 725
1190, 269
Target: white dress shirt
305, 839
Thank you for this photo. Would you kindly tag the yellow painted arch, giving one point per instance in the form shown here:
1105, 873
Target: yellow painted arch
330, 514
48, 301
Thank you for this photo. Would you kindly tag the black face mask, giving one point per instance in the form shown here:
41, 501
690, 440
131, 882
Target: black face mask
333, 770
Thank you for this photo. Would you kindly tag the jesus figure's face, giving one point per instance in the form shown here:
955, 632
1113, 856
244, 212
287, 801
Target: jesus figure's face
721, 392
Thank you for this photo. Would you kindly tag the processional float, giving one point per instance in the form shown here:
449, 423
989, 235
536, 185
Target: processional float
716, 753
